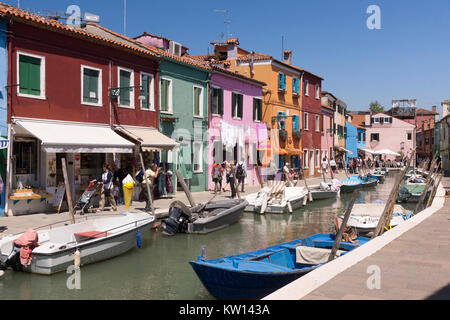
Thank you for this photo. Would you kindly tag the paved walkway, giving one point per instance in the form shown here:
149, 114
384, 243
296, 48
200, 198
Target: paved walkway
413, 265
17, 224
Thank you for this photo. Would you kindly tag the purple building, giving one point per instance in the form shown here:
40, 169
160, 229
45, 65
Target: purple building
235, 121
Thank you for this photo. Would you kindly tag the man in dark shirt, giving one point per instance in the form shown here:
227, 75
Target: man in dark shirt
118, 175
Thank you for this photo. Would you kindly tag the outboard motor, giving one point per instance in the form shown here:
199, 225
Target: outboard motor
179, 217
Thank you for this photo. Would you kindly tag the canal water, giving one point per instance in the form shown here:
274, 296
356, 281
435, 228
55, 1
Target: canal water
160, 270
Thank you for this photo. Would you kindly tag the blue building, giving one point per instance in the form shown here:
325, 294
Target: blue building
3, 109
355, 140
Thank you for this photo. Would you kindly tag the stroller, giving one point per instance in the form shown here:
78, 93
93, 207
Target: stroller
85, 201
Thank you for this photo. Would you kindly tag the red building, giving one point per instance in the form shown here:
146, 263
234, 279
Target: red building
312, 124
60, 82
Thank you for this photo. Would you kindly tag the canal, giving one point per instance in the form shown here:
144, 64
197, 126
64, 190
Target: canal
160, 269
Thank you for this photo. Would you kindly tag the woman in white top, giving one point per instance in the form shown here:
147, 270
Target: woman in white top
333, 165
106, 179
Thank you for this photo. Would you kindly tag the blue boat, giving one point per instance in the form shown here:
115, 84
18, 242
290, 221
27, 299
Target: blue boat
256, 274
369, 181
351, 183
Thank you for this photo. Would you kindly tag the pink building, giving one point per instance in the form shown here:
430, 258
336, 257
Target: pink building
235, 126
386, 132
327, 140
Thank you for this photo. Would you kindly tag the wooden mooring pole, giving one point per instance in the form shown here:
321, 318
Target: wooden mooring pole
427, 185
185, 188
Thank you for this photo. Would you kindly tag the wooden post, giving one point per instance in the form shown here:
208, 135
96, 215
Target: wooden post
235, 181
427, 185
185, 188
149, 193
432, 195
340, 233
388, 209
68, 193
306, 185
258, 175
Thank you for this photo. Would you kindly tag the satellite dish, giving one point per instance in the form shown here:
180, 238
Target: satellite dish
89, 17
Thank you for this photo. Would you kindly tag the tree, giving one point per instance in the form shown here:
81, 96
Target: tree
376, 107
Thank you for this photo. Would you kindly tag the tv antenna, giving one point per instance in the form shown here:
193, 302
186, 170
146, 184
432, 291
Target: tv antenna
227, 21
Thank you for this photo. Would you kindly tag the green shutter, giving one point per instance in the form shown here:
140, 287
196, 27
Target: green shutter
221, 101
90, 84
30, 75
240, 105
125, 81
233, 105
145, 81
164, 95
197, 92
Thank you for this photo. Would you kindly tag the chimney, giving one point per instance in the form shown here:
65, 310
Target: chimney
287, 56
434, 109
232, 46
445, 105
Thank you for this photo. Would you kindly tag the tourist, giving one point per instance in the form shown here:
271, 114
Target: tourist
230, 179
333, 165
106, 180
118, 175
149, 180
325, 165
241, 173
288, 174
216, 174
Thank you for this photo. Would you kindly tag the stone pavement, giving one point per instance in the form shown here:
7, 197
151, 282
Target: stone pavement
18, 224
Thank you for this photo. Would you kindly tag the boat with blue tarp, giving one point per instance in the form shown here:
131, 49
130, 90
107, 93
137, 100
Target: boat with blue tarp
256, 274
351, 184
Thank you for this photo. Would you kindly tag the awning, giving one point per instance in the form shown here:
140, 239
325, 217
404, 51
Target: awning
70, 137
294, 151
387, 152
344, 150
150, 139
367, 150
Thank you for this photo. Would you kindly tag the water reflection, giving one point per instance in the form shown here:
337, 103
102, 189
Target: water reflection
160, 269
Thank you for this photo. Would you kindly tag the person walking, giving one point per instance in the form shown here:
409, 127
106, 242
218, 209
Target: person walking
333, 165
230, 180
241, 173
325, 165
118, 175
216, 174
106, 180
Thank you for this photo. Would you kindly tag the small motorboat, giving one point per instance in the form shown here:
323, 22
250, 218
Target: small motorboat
351, 184
411, 192
368, 181
278, 199
95, 239
256, 274
365, 216
326, 191
203, 218
380, 175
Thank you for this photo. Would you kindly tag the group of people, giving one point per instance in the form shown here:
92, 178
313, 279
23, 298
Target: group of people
230, 170
111, 182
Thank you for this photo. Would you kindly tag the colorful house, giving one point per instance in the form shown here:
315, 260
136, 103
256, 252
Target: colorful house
72, 105
183, 98
3, 109
354, 141
327, 140
235, 127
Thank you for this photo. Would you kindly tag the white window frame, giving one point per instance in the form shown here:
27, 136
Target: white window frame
317, 91
132, 93
212, 113
198, 155
305, 159
200, 101
317, 158
170, 111
386, 120
151, 91
99, 86
305, 118
259, 120
232, 107
42, 95
306, 88
376, 120
317, 123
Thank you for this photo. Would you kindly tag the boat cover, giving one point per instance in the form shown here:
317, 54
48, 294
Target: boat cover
312, 255
27, 242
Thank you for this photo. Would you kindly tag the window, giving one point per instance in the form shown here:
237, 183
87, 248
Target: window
387, 120
198, 101
376, 120
281, 81
31, 76
281, 120
374, 137
295, 123
257, 109
166, 95
198, 156
25, 151
317, 123
427, 140
126, 94
305, 158
295, 86
147, 91
359, 136
305, 121
409, 136
217, 101
306, 88
236, 105
317, 91
91, 86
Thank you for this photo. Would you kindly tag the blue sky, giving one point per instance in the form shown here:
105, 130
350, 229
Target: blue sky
409, 58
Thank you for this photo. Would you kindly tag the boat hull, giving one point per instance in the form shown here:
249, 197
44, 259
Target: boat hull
323, 194
350, 188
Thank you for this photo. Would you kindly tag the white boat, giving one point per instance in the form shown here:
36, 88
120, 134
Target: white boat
365, 216
278, 199
96, 239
